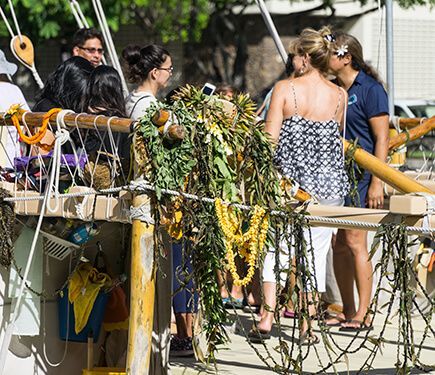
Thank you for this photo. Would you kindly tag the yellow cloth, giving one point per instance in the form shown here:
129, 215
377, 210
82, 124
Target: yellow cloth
84, 285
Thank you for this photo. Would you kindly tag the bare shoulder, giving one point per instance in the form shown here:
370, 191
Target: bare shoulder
282, 86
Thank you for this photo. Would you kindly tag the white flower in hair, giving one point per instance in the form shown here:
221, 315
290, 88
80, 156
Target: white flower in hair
342, 50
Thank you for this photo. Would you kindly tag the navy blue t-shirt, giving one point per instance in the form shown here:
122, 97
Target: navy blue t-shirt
367, 99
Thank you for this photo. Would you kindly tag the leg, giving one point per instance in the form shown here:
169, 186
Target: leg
182, 327
222, 279
266, 321
289, 308
357, 243
269, 287
254, 296
184, 302
344, 274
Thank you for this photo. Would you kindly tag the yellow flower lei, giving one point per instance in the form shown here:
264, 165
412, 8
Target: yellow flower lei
249, 244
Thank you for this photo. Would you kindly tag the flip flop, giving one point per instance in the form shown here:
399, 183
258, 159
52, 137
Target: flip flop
305, 339
230, 302
360, 328
339, 322
289, 314
255, 309
257, 336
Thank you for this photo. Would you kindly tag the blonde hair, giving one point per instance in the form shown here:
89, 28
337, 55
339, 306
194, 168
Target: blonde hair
318, 45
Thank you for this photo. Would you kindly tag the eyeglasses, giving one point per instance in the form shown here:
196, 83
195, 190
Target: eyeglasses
92, 51
169, 70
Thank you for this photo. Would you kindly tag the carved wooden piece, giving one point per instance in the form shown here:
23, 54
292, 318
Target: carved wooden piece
23, 51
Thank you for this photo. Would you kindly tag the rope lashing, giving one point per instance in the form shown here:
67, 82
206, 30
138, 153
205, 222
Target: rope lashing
36, 138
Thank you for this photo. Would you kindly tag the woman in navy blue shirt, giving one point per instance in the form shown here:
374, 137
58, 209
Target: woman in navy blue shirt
367, 121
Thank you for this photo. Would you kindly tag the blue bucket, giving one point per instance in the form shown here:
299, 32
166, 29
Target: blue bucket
94, 322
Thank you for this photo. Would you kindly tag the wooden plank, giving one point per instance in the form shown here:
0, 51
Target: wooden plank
362, 215
408, 205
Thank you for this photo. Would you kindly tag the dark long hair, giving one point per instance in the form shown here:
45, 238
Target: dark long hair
138, 62
104, 93
66, 86
355, 50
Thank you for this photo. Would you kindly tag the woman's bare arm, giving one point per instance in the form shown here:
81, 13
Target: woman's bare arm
380, 129
275, 115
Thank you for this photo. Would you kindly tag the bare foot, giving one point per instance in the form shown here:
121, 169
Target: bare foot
335, 321
266, 321
356, 323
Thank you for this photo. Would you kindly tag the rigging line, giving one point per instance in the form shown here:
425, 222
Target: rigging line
8, 26
76, 14
99, 152
144, 186
99, 11
14, 17
115, 147
11, 325
80, 13
82, 149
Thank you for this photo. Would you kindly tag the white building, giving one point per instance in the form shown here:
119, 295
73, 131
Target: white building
414, 42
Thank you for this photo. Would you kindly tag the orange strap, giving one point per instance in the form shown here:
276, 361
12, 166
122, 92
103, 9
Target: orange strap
36, 138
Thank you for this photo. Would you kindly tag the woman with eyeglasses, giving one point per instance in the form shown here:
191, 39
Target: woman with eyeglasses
150, 68
367, 121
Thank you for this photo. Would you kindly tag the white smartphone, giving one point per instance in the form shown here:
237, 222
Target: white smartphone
208, 89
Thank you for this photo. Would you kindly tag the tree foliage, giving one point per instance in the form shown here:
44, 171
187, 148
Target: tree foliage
167, 19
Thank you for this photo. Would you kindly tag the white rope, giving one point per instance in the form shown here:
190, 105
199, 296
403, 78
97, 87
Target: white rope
62, 136
142, 213
78, 14
101, 17
14, 17
8, 26
13, 36
44, 333
143, 186
430, 201
32, 68
10, 328
114, 151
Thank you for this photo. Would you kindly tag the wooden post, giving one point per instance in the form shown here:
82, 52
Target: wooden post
415, 133
142, 294
391, 176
